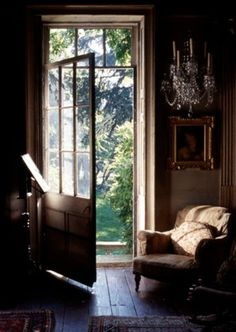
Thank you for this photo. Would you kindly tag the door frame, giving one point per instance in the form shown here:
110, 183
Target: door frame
144, 207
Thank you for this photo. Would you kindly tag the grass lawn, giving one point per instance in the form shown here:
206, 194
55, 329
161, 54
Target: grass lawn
109, 227
108, 224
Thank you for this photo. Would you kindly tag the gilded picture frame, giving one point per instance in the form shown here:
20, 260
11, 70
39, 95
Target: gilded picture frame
191, 143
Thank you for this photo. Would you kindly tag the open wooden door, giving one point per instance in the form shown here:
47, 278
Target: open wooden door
68, 209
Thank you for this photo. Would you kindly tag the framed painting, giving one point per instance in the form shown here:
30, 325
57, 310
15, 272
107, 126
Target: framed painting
191, 143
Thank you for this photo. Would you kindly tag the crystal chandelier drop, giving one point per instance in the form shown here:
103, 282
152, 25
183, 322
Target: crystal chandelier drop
189, 83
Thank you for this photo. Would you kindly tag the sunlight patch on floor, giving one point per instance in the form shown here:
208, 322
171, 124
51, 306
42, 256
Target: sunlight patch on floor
113, 260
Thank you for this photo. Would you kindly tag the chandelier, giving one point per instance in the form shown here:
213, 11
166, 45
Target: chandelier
189, 83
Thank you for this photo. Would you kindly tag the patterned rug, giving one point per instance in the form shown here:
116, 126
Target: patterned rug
27, 321
142, 324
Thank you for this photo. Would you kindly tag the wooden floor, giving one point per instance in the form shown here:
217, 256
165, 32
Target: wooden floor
112, 294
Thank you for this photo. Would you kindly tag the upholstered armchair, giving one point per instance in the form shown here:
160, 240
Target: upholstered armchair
194, 248
216, 301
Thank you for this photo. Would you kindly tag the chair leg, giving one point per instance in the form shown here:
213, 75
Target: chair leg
137, 278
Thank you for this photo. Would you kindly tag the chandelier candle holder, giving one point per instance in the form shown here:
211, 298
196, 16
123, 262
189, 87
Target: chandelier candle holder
189, 83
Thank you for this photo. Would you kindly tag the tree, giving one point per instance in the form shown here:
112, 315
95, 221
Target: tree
61, 44
114, 106
121, 191
114, 86
114, 93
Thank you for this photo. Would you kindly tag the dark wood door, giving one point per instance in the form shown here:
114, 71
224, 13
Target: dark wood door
68, 218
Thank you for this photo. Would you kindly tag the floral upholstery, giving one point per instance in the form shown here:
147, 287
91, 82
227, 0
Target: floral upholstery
177, 254
186, 237
153, 242
216, 216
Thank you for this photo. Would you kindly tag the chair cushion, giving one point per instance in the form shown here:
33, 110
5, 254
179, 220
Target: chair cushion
166, 267
213, 215
187, 236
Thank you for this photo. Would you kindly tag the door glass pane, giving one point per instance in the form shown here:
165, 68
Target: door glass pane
83, 175
91, 41
53, 171
82, 116
82, 132
67, 86
67, 173
53, 146
67, 128
82, 128
53, 128
82, 87
53, 88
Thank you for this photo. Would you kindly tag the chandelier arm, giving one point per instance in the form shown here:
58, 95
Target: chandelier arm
170, 103
203, 95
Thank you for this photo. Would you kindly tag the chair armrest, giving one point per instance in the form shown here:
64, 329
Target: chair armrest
202, 295
209, 255
151, 242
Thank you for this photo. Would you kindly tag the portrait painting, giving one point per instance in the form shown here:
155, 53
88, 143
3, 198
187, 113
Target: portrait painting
191, 143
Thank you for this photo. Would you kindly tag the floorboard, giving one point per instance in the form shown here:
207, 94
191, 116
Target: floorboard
112, 294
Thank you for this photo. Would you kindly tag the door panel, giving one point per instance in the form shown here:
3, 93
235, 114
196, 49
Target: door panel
69, 222
68, 247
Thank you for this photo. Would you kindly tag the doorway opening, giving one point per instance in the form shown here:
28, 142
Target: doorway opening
116, 50
62, 233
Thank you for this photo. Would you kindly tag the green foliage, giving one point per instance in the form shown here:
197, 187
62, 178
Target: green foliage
114, 112
114, 106
108, 223
120, 41
121, 191
61, 44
